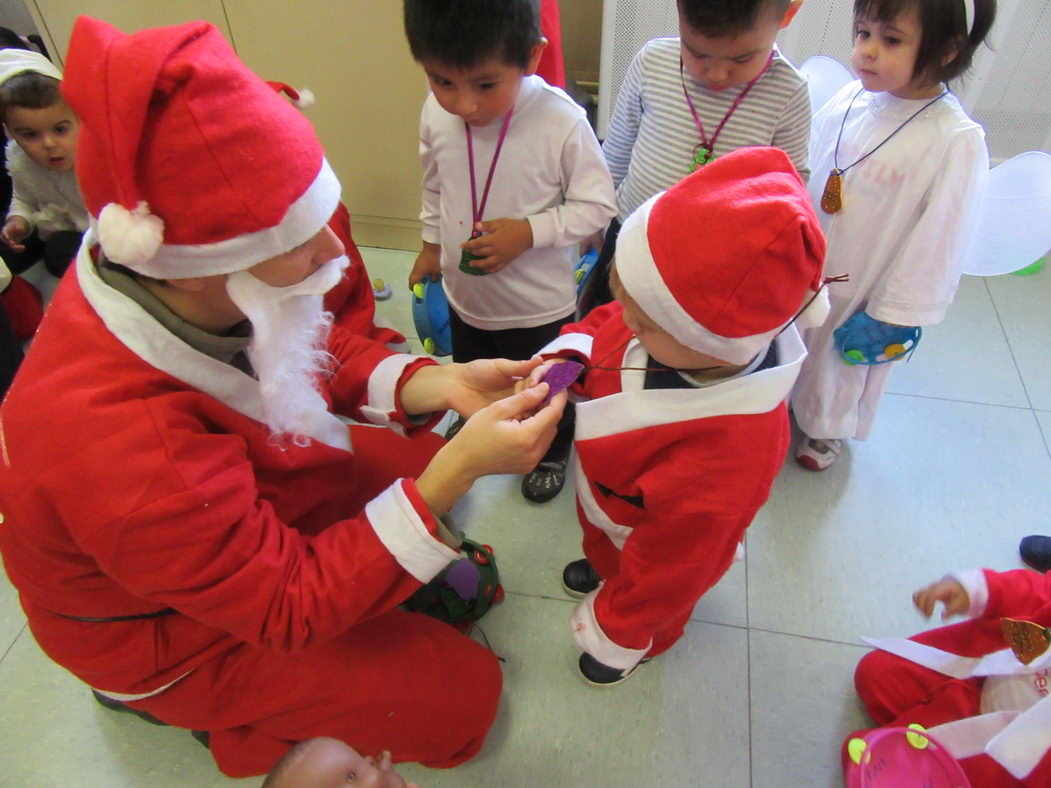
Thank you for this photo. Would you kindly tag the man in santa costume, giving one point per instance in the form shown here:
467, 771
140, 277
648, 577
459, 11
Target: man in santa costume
191, 529
966, 684
682, 425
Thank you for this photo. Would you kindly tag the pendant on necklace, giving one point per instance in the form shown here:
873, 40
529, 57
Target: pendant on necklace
700, 158
466, 258
832, 197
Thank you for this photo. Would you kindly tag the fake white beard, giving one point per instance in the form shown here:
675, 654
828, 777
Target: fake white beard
287, 351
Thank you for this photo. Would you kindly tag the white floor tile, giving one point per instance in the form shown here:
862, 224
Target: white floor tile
940, 486
56, 735
683, 715
1044, 419
803, 705
1024, 306
964, 358
11, 617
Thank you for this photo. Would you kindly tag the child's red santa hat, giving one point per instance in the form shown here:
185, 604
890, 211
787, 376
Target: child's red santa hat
191, 164
727, 257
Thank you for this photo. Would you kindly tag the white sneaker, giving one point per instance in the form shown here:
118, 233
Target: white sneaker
816, 454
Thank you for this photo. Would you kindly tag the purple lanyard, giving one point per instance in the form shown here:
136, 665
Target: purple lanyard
709, 145
476, 209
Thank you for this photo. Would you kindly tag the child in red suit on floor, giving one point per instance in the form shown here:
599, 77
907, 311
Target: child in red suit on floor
964, 684
682, 424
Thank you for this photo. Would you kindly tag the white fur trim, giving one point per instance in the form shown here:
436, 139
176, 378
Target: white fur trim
382, 404
403, 532
130, 238
125, 697
816, 312
617, 533
303, 220
634, 408
590, 637
580, 343
160, 348
973, 582
306, 99
5, 276
642, 280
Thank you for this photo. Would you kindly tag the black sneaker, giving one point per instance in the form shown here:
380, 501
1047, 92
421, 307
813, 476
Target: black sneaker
1036, 551
598, 675
579, 578
116, 705
545, 481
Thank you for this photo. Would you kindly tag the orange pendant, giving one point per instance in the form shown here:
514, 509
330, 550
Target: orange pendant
1026, 639
832, 197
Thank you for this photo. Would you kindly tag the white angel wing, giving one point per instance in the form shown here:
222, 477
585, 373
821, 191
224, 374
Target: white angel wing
1014, 223
825, 76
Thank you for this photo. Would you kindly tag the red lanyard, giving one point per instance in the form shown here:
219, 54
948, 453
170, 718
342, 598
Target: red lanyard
476, 209
705, 152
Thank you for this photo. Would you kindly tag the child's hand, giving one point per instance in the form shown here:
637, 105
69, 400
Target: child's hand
595, 242
15, 230
537, 374
502, 241
428, 263
949, 592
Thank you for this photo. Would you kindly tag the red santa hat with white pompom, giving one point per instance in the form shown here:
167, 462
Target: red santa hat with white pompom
727, 257
191, 164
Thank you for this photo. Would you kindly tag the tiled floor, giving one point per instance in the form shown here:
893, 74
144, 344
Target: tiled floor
759, 691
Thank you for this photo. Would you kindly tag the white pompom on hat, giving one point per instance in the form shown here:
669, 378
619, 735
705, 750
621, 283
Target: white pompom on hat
724, 259
191, 164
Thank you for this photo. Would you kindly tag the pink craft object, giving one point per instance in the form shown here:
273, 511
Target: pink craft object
561, 377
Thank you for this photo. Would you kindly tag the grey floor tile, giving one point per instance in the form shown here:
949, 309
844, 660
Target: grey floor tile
55, 735
803, 704
940, 486
660, 727
1044, 419
1024, 306
966, 357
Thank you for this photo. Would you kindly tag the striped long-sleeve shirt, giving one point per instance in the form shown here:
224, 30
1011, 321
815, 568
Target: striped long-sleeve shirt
652, 135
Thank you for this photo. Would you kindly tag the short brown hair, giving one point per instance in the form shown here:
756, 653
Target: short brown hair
718, 18
30, 90
943, 35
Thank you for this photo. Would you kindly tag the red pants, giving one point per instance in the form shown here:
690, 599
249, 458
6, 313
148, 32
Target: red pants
897, 692
402, 681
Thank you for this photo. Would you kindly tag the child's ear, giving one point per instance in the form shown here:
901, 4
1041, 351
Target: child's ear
790, 13
534, 56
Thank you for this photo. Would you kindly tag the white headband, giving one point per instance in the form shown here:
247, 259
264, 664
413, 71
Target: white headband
17, 61
968, 15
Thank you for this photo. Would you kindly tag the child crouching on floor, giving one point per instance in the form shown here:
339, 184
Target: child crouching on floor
681, 417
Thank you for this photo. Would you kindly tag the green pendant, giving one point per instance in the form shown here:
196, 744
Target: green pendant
700, 158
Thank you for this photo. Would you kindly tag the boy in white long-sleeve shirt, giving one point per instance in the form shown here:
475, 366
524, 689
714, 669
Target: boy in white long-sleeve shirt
513, 179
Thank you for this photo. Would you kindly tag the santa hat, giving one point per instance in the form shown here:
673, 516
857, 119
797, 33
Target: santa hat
17, 61
724, 259
191, 164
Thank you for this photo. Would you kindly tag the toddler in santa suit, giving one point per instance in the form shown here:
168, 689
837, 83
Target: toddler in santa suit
682, 424
964, 684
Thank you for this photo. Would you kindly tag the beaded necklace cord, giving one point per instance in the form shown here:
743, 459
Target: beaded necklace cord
832, 196
705, 152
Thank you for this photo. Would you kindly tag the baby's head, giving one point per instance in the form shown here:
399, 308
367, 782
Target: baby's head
710, 271
475, 52
34, 113
910, 47
329, 763
727, 43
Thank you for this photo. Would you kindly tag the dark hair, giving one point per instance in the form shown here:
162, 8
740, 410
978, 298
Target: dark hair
9, 39
30, 90
463, 33
718, 18
943, 32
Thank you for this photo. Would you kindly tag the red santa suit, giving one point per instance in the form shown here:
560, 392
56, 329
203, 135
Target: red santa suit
669, 479
960, 682
667, 482
169, 551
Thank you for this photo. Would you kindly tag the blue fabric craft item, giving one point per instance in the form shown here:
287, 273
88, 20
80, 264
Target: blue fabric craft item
865, 340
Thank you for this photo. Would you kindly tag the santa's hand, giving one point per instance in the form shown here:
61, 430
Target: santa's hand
949, 592
485, 381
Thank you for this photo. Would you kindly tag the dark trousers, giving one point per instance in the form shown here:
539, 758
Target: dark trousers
57, 252
10, 352
518, 344
597, 290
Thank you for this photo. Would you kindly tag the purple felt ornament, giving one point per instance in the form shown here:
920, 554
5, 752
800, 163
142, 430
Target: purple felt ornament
463, 578
560, 377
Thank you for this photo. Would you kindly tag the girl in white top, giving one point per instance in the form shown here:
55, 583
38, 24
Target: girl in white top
898, 170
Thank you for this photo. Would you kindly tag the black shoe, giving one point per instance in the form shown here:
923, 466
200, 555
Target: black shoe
203, 737
1036, 551
545, 481
579, 578
455, 427
116, 705
598, 675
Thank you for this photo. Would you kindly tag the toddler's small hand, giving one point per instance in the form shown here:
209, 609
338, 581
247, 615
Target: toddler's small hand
15, 230
501, 243
949, 592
